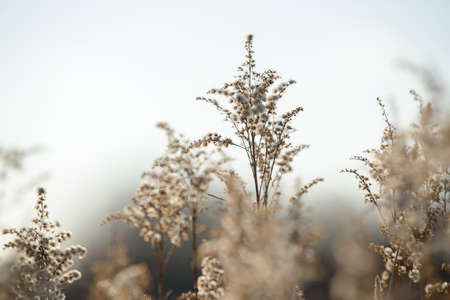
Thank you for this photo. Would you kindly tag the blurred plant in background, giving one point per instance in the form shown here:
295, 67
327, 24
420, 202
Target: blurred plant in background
11, 161
264, 253
116, 279
408, 184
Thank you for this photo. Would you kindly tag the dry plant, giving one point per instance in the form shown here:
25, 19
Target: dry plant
408, 184
355, 265
170, 199
261, 250
264, 253
210, 283
261, 131
260, 253
42, 267
12, 159
116, 279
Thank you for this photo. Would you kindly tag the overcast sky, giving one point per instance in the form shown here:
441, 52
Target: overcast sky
89, 80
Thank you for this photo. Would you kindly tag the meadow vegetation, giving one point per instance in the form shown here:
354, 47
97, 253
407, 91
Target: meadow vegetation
265, 246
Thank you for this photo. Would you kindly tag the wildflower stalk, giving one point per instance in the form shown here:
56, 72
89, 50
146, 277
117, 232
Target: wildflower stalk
411, 170
170, 199
263, 132
43, 268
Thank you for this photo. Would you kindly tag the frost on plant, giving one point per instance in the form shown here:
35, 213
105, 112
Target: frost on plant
43, 268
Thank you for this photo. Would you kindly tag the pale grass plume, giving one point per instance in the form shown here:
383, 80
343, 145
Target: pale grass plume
264, 256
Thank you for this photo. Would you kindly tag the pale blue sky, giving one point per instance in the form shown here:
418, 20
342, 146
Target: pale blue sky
89, 79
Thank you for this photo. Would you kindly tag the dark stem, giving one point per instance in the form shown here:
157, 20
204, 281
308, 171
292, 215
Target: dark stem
216, 197
194, 251
253, 162
269, 178
422, 289
254, 168
161, 269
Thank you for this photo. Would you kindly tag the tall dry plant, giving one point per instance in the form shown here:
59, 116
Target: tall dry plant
170, 199
116, 279
264, 254
42, 268
408, 184
11, 159
261, 131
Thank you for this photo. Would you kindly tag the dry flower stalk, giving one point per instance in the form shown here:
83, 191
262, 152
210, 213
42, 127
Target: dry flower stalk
263, 255
260, 252
261, 131
210, 283
411, 173
42, 267
170, 198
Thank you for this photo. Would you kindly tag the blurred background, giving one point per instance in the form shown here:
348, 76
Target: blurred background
88, 80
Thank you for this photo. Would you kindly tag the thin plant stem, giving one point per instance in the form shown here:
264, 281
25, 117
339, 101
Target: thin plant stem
391, 281
161, 269
194, 251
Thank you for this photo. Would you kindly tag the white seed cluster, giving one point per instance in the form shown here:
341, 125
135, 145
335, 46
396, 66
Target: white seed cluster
42, 267
210, 283
178, 180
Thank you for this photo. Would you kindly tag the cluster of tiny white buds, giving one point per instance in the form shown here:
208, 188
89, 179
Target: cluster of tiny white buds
42, 267
210, 283
437, 288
